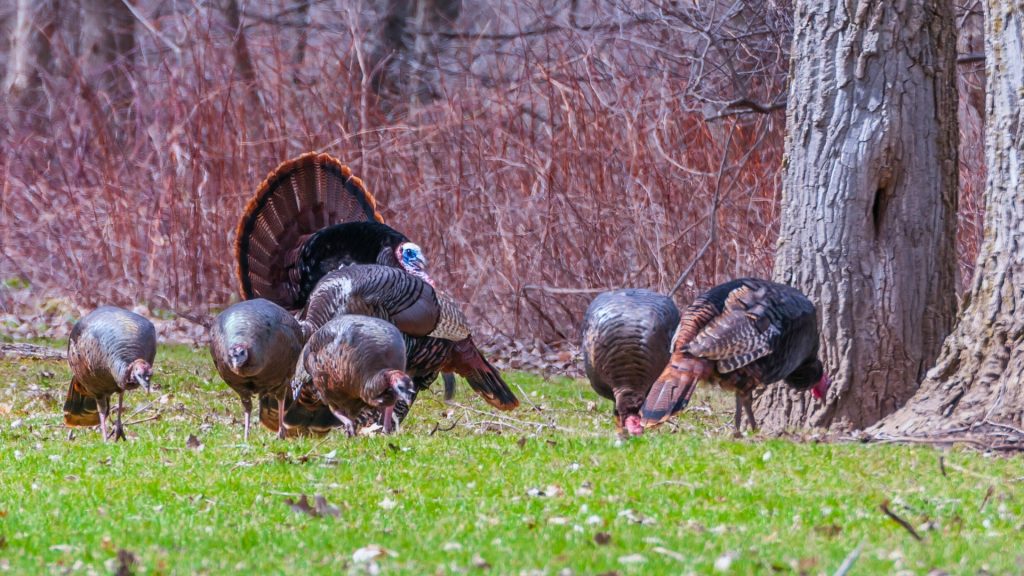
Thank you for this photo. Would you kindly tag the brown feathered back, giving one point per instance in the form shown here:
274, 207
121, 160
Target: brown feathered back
296, 199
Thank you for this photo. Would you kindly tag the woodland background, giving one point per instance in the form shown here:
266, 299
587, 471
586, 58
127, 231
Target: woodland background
539, 151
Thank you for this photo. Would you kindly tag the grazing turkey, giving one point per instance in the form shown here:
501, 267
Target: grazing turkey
436, 336
110, 351
356, 364
255, 345
627, 340
742, 334
308, 217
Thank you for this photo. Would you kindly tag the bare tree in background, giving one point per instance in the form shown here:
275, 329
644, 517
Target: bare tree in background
244, 66
108, 52
978, 382
410, 39
30, 54
869, 201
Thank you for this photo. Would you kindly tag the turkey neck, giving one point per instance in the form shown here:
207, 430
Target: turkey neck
807, 374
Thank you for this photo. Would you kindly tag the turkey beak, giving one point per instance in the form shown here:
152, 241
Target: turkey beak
237, 357
143, 380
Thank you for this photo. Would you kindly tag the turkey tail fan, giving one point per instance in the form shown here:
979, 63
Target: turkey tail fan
467, 361
449, 386
671, 392
299, 197
80, 410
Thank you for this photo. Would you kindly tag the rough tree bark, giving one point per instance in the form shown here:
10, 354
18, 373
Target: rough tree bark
869, 201
977, 384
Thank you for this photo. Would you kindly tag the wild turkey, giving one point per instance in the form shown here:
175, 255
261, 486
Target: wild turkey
110, 351
356, 364
436, 335
742, 334
627, 340
255, 345
308, 217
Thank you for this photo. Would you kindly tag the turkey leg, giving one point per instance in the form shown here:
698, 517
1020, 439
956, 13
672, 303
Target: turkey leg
103, 403
118, 427
281, 433
247, 409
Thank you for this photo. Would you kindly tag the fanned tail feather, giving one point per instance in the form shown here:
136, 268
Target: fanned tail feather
468, 362
299, 197
672, 390
80, 410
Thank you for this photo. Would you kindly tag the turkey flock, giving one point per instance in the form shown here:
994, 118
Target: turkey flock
341, 327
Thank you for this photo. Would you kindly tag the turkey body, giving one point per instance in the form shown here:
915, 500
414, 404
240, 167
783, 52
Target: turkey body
626, 342
434, 329
741, 335
356, 364
255, 345
110, 351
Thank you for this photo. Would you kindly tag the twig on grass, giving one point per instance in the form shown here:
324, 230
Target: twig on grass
848, 562
134, 422
988, 494
906, 525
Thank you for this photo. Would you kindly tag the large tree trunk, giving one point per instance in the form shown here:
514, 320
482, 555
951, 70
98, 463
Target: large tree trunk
978, 382
869, 201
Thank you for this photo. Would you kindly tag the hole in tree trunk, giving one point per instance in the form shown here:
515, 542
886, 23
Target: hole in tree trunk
878, 209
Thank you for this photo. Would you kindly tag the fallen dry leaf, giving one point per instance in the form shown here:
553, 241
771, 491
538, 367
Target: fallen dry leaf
480, 563
193, 443
670, 553
724, 561
125, 561
371, 552
602, 538
320, 508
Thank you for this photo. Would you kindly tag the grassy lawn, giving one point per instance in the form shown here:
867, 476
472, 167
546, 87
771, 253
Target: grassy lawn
547, 491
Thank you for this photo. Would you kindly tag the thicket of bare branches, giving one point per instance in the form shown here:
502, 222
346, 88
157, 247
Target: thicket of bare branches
539, 151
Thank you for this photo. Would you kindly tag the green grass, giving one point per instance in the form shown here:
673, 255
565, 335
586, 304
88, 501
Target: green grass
460, 500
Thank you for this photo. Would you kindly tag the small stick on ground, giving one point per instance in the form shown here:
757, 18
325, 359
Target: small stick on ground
942, 466
134, 422
848, 562
906, 525
988, 494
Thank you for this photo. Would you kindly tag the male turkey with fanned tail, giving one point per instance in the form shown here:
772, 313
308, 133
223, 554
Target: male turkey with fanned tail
741, 335
308, 217
627, 339
311, 216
